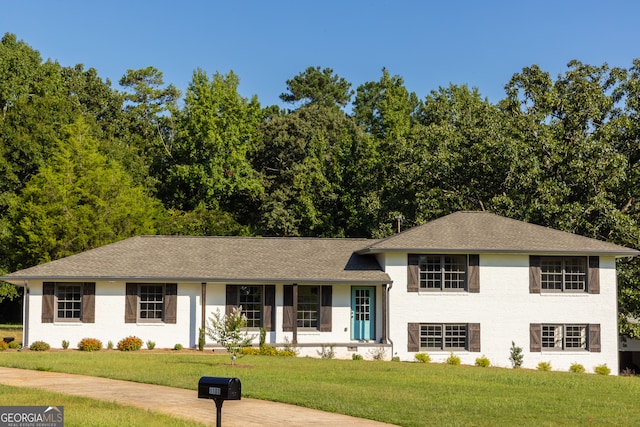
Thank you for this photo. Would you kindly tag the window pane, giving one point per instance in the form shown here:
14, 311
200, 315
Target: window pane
430, 272
552, 336
250, 299
69, 301
363, 305
443, 337
438, 272
551, 268
308, 306
431, 337
455, 337
575, 336
151, 301
574, 273
564, 273
454, 272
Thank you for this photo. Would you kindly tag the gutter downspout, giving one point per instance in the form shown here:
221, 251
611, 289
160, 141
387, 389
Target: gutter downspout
25, 315
389, 286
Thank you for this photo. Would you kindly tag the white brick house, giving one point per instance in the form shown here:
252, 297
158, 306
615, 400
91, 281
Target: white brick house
468, 283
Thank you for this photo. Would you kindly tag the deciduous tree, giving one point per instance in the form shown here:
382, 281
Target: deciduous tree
217, 132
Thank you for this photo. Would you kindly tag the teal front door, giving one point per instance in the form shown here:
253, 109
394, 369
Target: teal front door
362, 313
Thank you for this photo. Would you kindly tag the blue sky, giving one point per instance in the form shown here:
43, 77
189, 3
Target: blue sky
429, 44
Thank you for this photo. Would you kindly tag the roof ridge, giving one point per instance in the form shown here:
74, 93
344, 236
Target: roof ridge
168, 236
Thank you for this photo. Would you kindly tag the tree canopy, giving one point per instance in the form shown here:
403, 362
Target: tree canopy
83, 163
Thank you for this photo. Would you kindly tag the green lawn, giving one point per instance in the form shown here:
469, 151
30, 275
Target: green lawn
409, 394
84, 412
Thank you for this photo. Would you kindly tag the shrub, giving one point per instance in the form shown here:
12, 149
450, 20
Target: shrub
395, 359
576, 368
110, 345
515, 356
151, 345
544, 366
266, 350
178, 347
423, 357
378, 353
130, 344
90, 344
602, 369
14, 345
65, 344
39, 346
3, 346
483, 361
327, 353
453, 359
356, 356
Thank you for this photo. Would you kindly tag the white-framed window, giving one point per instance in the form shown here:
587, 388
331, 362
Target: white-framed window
151, 303
564, 337
68, 301
563, 274
447, 336
308, 306
250, 298
443, 272
256, 301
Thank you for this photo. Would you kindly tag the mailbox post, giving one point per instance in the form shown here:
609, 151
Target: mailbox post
219, 389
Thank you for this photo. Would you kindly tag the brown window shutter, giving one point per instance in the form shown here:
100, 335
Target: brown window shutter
288, 316
232, 299
535, 276
593, 278
413, 273
325, 308
594, 338
535, 337
413, 339
170, 303
89, 303
269, 310
48, 296
131, 303
474, 274
474, 336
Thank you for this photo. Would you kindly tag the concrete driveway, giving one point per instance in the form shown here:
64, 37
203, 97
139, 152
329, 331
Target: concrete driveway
179, 402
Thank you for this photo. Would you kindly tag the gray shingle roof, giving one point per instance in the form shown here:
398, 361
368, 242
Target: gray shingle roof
483, 232
210, 259
292, 260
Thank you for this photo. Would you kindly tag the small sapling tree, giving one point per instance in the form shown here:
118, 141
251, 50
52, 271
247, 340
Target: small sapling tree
229, 331
515, 355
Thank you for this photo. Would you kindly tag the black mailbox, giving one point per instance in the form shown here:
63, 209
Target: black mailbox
219, 388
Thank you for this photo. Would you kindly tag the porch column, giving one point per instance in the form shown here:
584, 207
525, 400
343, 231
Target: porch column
385, 307
295, 314
203, 306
